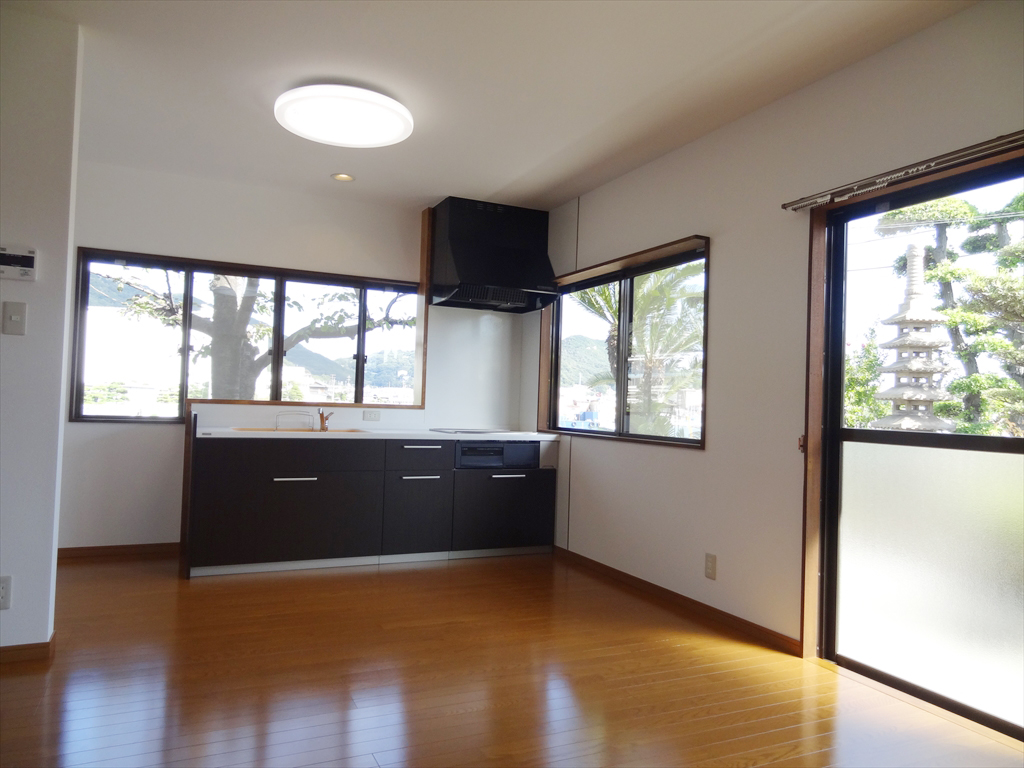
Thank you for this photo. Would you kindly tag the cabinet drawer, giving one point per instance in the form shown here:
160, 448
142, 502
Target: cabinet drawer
299, 457
246, 519
420, 454
417, 511
503, 508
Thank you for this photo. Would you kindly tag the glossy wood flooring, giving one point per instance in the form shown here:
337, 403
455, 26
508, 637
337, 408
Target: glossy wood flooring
494, 662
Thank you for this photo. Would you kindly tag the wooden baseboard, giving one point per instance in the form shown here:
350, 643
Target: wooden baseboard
29, 652
121, 552
688, 605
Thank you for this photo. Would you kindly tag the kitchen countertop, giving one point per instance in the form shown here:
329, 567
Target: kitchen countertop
375, 434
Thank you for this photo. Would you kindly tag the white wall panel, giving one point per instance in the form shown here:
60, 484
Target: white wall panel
39, 60
562, 222
122, 484
653, 512
146, 211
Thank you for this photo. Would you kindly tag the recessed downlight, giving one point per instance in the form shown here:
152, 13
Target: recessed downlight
343, 116
342, 177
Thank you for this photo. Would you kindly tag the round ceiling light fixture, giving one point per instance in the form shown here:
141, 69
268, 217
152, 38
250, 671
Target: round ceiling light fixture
342, 177
343, 116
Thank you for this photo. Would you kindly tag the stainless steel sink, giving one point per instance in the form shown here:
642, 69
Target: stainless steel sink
293, 429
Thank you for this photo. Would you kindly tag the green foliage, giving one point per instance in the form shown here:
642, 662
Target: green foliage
1011, 256
167, 395
985, 312
950, 211
395, 368
581, 360
292, 392
1002, 405
983, 243
199, 391
862, 379
114, 392
603, 301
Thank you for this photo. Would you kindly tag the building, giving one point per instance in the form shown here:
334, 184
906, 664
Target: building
69, 485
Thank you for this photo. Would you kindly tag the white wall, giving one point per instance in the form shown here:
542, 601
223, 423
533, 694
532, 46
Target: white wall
38, 84
122, 482
654, 511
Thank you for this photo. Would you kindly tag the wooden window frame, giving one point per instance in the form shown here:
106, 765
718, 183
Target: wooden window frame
670, 254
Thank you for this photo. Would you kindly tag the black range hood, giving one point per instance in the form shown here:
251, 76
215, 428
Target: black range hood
490, 256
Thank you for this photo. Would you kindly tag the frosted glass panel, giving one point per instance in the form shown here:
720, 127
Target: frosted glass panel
931, 571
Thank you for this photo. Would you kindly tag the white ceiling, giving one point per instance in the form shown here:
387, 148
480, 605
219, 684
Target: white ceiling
524, 103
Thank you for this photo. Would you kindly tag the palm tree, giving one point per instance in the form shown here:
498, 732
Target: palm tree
666, 337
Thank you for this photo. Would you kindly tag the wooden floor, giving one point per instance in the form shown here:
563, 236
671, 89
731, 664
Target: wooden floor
506, 661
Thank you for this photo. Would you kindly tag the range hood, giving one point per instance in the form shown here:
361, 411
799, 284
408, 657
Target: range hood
490, 256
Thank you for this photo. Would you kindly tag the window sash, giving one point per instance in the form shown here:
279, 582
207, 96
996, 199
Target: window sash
625, 277
189, 268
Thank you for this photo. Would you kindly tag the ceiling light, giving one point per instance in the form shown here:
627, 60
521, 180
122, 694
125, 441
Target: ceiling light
343, 116
342, 177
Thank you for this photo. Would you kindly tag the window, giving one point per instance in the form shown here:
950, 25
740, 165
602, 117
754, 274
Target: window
253, 334
628, 347
931, 322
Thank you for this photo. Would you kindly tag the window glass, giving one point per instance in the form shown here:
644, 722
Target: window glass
589, 359
269, 333
666, 353
321, 323
390, 347
933, 332
132, 342
232, 324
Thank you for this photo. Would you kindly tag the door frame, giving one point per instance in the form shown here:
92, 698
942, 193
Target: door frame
818, 582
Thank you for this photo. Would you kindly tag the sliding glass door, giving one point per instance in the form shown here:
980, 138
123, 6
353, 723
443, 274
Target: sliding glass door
924, 443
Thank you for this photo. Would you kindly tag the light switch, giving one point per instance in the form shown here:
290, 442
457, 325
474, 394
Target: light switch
14, 318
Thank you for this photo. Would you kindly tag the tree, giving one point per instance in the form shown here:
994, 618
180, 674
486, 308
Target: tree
939, 216
115, 392
235, 329
861, 380
603, 301
667, 334
985, 312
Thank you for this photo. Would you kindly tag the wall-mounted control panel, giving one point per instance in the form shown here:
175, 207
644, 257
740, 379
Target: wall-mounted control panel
17, 265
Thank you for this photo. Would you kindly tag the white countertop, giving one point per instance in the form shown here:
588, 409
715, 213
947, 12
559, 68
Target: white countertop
374, 434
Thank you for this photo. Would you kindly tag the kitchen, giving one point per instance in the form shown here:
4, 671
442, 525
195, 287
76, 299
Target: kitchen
651, 511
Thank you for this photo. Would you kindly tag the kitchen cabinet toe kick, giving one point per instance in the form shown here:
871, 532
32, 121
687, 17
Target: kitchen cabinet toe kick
372, 561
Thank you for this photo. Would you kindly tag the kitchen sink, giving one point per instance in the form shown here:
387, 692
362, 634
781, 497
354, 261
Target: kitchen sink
292, 429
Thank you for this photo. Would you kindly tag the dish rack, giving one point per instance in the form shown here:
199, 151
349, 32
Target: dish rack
293, 420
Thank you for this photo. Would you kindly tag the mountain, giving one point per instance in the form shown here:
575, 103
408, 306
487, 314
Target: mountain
582, 358
318, 365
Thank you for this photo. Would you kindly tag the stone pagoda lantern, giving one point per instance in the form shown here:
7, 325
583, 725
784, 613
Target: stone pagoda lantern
919, 364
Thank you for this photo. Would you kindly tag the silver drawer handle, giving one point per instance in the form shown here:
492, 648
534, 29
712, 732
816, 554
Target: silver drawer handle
498, 477
423, 446
293, 479
421, 477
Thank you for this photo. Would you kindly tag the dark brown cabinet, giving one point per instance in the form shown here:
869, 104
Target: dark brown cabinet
260, 501
417, 511
266, 500
418, 496
503, 508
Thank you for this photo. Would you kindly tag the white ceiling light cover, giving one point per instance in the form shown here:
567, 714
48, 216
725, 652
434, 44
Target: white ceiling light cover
343, 116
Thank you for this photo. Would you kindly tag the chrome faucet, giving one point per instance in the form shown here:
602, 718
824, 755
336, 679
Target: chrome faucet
323, 418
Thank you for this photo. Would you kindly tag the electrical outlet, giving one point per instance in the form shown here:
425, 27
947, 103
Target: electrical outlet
371, 415
5, 592
710, 566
